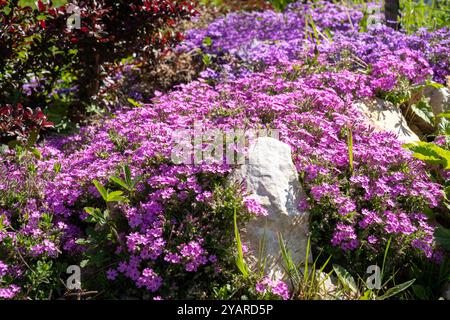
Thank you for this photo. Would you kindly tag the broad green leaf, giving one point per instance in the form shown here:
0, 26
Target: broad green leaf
434, 84
120, 182
396, 290
444, 126
430, 153
101, 189
116, 196
345, 278
425, 114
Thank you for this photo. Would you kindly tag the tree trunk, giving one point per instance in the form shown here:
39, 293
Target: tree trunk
392, 13
88, 84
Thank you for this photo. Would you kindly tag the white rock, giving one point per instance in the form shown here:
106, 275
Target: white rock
272, 178
439, 99
328, 286
384, 116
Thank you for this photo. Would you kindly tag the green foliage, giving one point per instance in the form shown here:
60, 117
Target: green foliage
430, 153
240, 263
280, 5
350, 148
306, 280
420, 14
109, 196
214, 3
442, 236
128, 183
347, 281
351, 289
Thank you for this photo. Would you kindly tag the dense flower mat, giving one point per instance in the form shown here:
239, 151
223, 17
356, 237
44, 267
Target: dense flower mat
170, 229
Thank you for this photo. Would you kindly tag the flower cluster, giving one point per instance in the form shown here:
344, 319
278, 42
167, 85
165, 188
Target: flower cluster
262, 39
275, 287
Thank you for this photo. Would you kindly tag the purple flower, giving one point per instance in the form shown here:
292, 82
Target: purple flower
254, 207
111, 274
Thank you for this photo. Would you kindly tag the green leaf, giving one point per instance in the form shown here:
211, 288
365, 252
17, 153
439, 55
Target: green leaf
424, 113
32, 138
207, 41
396, 290
444, 126
89, 210
127, 174
291, 268
433, 84
84, 263
345, 278
350, 148
57, 167
386, 250
240, 259
116, 196
36, 153
430, 153
445, 115
134, 103
120, 182
367, 295
82, 241
206, 59
95, 215
101, 189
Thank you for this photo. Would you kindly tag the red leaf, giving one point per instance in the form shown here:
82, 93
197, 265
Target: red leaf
40, 6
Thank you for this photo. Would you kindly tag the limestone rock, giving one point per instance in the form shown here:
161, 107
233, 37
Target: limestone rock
439, 99
271, 177
384, 116
328, 286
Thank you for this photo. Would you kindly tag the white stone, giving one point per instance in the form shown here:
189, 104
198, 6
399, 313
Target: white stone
328, 286
272, 179
439, 99
384, 116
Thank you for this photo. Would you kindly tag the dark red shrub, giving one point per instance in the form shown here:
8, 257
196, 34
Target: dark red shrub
18, 122
37, 45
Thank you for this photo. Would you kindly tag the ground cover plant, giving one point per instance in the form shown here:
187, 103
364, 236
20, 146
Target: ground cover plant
111, 199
